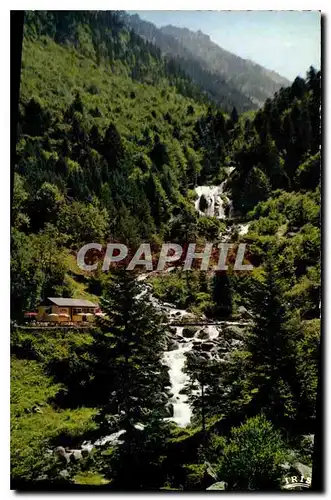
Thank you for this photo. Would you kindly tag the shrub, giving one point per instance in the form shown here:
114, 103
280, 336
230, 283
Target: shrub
251, 458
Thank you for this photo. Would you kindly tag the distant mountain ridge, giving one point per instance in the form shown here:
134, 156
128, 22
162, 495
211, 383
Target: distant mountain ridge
227, 78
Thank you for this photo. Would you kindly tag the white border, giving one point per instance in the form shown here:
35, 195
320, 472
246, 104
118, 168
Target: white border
324, 6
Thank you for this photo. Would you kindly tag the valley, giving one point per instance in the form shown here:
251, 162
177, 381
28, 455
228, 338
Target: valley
190, 379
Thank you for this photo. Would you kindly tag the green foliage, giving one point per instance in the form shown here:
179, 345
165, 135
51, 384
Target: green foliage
127, 351
20, 197
185, 289
89, 169
37, 269
35, 423
308, 173
209, 227
280, 148
85, 223
252, 456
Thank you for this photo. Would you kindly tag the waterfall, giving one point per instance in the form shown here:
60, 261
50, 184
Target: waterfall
175, 360
211, 201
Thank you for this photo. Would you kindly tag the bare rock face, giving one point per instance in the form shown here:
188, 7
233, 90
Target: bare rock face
304, 470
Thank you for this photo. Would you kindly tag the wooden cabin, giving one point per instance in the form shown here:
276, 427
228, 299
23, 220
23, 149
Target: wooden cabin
62, 310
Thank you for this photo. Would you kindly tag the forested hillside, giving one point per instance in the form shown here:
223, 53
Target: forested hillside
228, 79
113, 142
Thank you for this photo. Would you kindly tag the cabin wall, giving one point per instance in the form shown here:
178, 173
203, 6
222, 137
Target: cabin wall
43, 312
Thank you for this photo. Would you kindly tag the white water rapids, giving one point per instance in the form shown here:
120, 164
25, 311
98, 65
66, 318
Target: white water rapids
175, 360
216, 203
213, 201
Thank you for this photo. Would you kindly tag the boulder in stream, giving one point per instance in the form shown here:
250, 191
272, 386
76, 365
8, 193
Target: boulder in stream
207, 346
189, 332
172, 345
244, 313
202, 334
233, 332
170, 410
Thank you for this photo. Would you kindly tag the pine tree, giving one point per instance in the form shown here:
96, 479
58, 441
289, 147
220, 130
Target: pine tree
129, 377
127, 350
222, 294
234, 116
272, 347
204, 387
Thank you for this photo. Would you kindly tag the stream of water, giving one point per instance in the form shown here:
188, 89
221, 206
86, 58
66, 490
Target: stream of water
213, 205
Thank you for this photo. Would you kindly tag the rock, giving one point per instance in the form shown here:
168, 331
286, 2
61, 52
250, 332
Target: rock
221, 486
223, 348
202, 334
36, 409
62, 454
189, 332
203, 203
205, 355
75, 455
42, 477
207, 346
244, 313
59, 450
170, 410
233, 332
235, 343
64, 474
172, 345
304, 470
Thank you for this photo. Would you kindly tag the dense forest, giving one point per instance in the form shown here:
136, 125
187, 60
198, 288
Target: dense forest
113, 140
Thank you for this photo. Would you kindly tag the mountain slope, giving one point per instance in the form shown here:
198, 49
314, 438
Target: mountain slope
112, 139
225, 76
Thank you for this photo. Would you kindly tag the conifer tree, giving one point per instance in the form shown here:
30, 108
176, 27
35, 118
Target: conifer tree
234, 116
130, 379
272, 347
128, 350
222, 294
